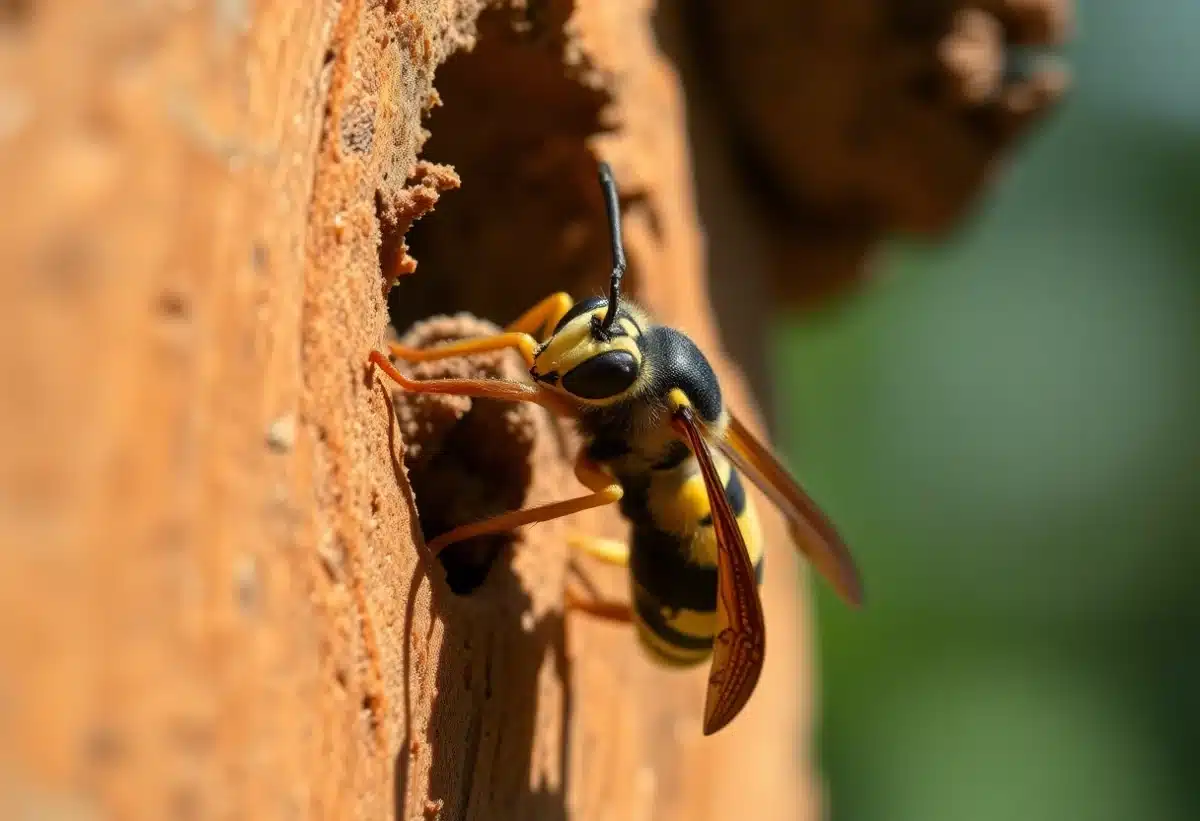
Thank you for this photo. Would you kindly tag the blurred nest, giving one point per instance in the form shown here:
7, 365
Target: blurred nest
852, 119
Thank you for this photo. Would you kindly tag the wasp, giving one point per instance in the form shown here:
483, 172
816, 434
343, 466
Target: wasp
659, 442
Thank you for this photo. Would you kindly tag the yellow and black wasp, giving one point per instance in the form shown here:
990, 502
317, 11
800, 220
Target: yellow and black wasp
649, 406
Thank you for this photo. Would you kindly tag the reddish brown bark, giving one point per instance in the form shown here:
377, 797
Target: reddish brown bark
213, 601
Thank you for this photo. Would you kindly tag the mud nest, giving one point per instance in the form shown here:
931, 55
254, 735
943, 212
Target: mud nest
467, 459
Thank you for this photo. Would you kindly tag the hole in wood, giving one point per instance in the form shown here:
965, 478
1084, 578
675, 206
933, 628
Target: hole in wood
467, 459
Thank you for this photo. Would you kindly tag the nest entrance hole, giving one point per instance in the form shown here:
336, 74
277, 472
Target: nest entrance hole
467, 459
528, 220
515, 123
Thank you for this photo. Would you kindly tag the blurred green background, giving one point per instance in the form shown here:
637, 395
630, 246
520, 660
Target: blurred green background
1005, 428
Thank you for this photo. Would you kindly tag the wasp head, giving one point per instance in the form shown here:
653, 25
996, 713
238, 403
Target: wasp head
588, 361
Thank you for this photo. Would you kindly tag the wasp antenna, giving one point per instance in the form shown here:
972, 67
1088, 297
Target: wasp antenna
609, 186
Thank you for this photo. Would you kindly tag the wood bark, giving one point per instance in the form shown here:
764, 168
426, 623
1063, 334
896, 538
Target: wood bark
213, 597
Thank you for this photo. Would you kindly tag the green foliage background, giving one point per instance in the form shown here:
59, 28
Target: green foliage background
1006, 429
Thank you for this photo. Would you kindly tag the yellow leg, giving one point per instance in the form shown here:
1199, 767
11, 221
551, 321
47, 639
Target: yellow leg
607, 610
479, 388
520, 335
605, 491
543, 316
609, 551
523, 342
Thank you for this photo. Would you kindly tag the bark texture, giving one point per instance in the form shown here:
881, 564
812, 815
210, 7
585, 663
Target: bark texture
213, 597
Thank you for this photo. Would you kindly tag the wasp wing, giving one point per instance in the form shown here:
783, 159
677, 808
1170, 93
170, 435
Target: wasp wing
740, 642
811, 529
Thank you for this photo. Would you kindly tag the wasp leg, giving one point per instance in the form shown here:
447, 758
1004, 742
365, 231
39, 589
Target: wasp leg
478, 388
609, 551
525, 344
543, 317
605, 491
519, 335
608, 610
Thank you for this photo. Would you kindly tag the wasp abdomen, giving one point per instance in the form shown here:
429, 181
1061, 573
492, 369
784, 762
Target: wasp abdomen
674, 573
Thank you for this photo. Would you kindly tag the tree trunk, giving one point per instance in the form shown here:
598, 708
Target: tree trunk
214, 596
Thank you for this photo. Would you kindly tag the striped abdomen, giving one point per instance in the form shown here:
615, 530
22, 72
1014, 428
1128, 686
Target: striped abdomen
673, 560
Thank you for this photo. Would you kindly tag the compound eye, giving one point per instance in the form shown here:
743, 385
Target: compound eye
604, 375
